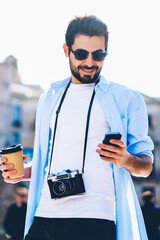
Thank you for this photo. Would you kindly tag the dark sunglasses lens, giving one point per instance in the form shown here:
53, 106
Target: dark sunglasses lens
99, 56
81, 54
21, 195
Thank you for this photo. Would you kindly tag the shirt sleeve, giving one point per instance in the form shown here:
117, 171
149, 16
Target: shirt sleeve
138, 141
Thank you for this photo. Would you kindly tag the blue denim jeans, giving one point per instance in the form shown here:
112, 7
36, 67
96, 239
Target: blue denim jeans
71, 228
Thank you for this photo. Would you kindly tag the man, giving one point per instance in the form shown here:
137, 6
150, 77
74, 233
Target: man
72, 119
14, 220
151, 214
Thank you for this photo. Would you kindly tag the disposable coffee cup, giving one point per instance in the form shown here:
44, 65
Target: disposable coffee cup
14, 155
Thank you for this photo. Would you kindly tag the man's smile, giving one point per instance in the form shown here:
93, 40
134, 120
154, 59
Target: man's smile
88, 70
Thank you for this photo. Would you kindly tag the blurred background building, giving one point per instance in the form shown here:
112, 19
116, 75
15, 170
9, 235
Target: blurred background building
18, 104
152, 183
17, 107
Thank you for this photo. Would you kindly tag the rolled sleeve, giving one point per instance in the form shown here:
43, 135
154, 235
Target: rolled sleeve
138, 141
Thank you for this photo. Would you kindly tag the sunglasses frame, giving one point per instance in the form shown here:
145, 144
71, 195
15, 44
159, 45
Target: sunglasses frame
88, 53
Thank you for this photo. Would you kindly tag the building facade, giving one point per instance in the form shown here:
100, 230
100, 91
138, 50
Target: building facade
18, 103
153, 181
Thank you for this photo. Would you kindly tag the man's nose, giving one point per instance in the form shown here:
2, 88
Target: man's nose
89, 60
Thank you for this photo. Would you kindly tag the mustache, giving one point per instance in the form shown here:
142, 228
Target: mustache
86, 67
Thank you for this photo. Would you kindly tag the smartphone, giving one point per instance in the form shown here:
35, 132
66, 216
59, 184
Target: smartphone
112, 135
109, 136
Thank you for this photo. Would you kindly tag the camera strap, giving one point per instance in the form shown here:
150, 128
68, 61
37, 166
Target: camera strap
87, 125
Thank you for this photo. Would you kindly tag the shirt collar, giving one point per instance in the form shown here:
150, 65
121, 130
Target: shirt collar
103, 84
59, 84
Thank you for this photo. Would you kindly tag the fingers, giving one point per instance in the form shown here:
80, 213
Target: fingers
3, 160
110, 157
109, 148
119, 143
8, 171
116, 154
107, 154
111, 153
24, 158
13, 180
114, 148
6, 167
6, 174
109, 160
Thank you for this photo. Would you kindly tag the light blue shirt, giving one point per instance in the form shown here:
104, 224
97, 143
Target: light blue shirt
125, 112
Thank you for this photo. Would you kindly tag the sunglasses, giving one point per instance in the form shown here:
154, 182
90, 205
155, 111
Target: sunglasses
81, 54
21, 195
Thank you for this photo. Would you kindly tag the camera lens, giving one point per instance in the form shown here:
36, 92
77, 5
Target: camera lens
60, 187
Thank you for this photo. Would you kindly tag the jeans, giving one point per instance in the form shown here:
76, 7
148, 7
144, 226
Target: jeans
71, 228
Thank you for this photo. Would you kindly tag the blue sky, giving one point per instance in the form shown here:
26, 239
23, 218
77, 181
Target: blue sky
33, 31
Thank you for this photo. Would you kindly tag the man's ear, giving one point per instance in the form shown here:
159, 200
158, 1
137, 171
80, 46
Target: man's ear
66, 50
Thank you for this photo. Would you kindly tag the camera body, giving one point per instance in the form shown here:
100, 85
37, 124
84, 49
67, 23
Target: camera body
65, 183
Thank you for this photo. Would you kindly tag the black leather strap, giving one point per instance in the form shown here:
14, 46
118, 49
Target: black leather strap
55, 124
87, 125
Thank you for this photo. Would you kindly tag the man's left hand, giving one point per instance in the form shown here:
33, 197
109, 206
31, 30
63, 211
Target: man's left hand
117, 155
140, 165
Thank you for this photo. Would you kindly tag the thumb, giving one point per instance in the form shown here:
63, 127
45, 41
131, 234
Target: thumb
24, 158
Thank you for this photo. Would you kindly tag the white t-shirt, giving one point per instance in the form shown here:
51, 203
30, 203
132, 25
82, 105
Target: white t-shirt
98, 200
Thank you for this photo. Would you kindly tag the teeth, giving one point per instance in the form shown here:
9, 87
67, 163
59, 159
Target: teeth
87, 70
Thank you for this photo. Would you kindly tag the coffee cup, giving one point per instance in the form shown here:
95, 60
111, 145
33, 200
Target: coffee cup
14, 155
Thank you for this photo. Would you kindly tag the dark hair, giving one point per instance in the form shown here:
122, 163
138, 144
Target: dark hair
147, 196
87, 25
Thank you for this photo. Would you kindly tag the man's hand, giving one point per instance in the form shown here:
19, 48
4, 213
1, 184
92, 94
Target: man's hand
119, 156
6, 173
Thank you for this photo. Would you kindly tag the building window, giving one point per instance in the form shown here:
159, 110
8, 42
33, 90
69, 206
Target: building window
16, 116
150, 121
16, 138
29, 153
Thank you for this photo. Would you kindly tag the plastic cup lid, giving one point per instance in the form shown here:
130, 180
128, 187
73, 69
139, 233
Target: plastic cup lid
11, 149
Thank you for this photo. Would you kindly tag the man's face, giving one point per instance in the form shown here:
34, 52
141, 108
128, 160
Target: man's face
87, 70
20, 198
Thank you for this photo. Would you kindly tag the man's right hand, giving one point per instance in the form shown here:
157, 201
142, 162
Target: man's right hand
6, 173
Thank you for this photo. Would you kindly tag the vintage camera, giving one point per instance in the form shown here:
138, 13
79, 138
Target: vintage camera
66, 183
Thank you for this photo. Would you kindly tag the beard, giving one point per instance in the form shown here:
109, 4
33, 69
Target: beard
86, 78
